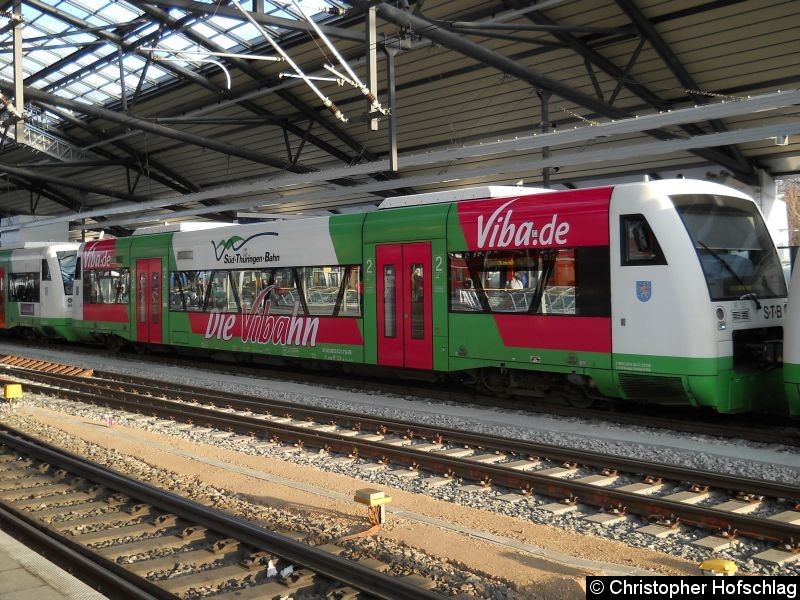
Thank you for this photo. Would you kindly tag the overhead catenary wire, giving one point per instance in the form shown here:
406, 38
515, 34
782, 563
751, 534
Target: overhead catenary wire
352, 78
270, 38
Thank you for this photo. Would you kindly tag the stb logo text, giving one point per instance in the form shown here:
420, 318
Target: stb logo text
644, 290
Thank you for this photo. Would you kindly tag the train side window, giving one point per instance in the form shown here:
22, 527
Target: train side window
106, 286
45, 270
638, 243
23, 287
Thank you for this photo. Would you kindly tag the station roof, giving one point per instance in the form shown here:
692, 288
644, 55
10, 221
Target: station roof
140, 112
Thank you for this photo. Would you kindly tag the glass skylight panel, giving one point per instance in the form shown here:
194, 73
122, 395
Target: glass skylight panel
155, 72
223, 23
97, 95
133, 62
117, 13
110, 71
112, 89
69, 8
79, 88
203, 30
94, 80
245, 32
44, 57
94, 76
225, 41
50, 24
68, 68
175, 42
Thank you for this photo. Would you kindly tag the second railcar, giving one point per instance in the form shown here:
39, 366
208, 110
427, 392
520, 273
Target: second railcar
667, 291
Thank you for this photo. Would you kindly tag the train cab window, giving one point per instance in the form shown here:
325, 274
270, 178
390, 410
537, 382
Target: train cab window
45, 270
734, 248
66, 262
639, 245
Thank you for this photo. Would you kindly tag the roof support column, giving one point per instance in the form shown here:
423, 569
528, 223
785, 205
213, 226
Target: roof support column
390, 53
371, 55
544, 98
19, 101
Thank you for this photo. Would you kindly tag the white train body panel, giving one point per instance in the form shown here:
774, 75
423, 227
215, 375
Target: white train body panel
53, 302
302, 242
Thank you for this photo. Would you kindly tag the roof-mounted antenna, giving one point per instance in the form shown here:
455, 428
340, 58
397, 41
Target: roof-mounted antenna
270, 38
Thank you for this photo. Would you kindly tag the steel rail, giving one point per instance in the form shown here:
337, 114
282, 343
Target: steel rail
705, 517
455, 436
713, 428
361, 577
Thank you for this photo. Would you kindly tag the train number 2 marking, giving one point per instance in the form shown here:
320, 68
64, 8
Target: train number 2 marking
774, 311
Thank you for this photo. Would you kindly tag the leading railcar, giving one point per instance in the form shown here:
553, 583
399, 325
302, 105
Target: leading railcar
36, 286
664, 291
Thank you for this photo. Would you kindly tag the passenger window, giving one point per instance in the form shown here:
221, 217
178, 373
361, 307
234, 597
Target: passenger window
639, 245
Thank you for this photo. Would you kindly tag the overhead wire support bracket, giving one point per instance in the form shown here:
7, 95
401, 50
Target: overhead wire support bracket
210, 53
352, 78
270, 38
336, 80
191, 54
199, 60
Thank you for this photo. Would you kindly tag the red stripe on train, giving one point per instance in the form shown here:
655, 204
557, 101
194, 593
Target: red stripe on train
581, 334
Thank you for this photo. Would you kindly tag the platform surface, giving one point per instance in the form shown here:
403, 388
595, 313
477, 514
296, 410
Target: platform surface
25, 575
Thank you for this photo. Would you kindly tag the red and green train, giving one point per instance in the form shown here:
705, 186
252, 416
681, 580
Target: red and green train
665, 291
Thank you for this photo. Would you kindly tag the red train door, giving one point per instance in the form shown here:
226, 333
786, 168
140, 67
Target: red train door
2, 298
405, 305
148, 300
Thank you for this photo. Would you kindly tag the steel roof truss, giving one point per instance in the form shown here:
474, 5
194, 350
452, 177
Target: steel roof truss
764, 102
199, 8
649, 32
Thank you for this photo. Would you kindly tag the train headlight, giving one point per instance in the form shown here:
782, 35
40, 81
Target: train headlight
721, 325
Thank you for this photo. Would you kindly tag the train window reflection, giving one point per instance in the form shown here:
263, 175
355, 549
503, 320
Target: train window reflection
563, 281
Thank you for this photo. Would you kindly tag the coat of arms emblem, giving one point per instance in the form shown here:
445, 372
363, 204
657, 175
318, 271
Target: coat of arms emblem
644, 289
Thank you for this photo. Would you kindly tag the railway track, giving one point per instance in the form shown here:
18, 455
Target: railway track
669, 497
132, 540
759, 428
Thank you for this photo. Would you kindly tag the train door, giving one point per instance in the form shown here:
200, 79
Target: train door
2, 298
405, 305
148, 300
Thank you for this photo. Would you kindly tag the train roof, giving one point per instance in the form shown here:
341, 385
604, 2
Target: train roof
180, 227
472, 193
666, 186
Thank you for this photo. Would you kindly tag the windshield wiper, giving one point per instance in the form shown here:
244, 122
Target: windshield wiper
750, 295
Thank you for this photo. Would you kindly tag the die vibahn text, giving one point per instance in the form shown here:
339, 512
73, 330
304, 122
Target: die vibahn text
258, 326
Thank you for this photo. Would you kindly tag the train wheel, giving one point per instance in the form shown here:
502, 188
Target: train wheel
114, 343
497, 383
579, 399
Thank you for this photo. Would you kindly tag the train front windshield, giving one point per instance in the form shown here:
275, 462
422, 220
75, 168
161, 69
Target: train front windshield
735, 250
